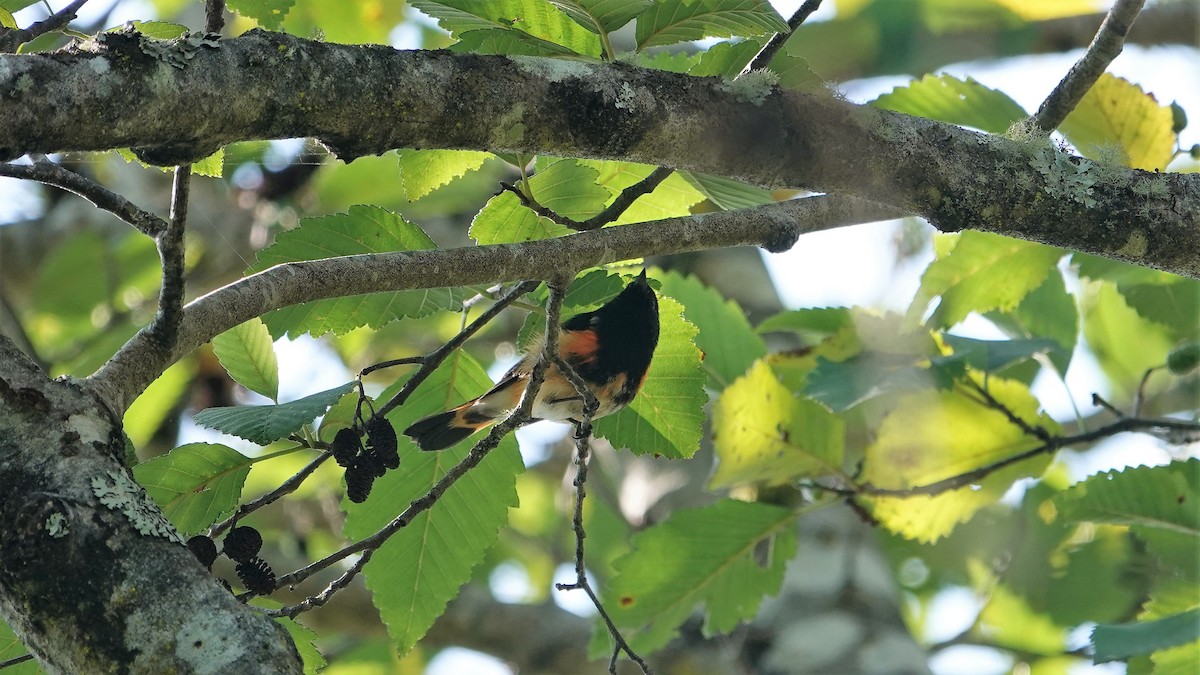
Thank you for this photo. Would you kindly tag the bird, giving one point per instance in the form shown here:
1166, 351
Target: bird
610, 348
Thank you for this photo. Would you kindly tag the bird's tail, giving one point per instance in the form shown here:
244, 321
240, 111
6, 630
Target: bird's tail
440, 431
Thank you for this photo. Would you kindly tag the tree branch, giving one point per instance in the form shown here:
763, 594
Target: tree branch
1104, 48
45, 171
763, 58
373, 99
165, 326
11, 39
773, 226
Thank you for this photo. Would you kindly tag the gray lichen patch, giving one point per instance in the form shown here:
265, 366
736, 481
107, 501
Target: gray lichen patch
753, 87
207, 644
57, 525
117, 491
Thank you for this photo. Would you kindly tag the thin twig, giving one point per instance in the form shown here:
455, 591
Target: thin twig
11, 40
165, 326
583, 435
521, 415
10, 324
16, 660
990, 401
214, 16
763, 59
44, 171
285, 488
1105, 47
1098, 400
975, 475
1139, 397
610, 213
431, 361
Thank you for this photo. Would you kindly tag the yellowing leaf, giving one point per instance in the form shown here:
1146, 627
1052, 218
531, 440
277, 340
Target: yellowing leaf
932, 436
423, 171
762, 432
1117, 114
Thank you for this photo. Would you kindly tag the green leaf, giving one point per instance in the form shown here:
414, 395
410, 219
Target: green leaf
841, 385
935, 435
159, 30
726, 556
263, 424
667, 416
1162, 497
728, 194
505, 220
762, 432
1175, 305
11, 648
817, 321
247, 353
423, 171
601, 16
268, 13
304, 638
536, 18
212, 166
422, 567
1121, 641
670, 21
1117, 116
1124, 343
948, 99
992, 355
7, 20
794, 72
983, 272
196, 484
1048, 312
569, 189
159, 402
726, 59
510, 42
364, 229
726, 340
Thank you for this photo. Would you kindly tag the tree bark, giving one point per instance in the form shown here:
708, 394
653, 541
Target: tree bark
93, 578
182, 100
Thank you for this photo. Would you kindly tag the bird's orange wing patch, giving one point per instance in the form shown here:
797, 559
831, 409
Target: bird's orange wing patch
578, 346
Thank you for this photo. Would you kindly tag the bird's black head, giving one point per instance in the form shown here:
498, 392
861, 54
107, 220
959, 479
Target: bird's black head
626, 329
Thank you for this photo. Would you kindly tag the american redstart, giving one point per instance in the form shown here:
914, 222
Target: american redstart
610, 348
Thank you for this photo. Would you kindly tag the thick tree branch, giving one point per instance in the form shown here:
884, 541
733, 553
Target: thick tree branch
1105, 47
362, 99
774, 226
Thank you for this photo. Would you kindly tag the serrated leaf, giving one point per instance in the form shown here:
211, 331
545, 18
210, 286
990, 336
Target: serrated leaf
504, 219
1163, 497
727, 556
671, 21
1117, 115
935, 435
725, 337
422, 567
667, 416
728, 194
1124, 343
1121, 641
508, 41
983, 272
196, 484
569, 189
304, 638
536, 18
1048, 312
247, 353
423, 171
363, 229
948, 99
212, 166
601, 16
763, 433
263, 424
1175, 305
268, 13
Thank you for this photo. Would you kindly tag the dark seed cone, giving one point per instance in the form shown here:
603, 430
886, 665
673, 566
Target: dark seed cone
204, 549
257, 576
370, 463
381, 440
345, 447
358, 483
243, 543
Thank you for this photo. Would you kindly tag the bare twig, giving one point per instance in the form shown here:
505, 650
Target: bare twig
285, 488
45, 171
1105, 47
610, 213
990, 401
1140, 396
16, 660
164, 329
1053, 444
214, 16
583, 435
1098, 400
10, 40
521, 415
763, 59
432, 360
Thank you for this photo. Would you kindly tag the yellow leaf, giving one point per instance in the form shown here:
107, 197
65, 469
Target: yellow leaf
935, 435
1117, 116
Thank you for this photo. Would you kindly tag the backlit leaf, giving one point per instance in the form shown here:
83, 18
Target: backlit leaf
247, 353
268, 13
1163, 497
948, 99
601, 16
536, 18
670, 21
196, 484
726, 339
423, 171
1116, 115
